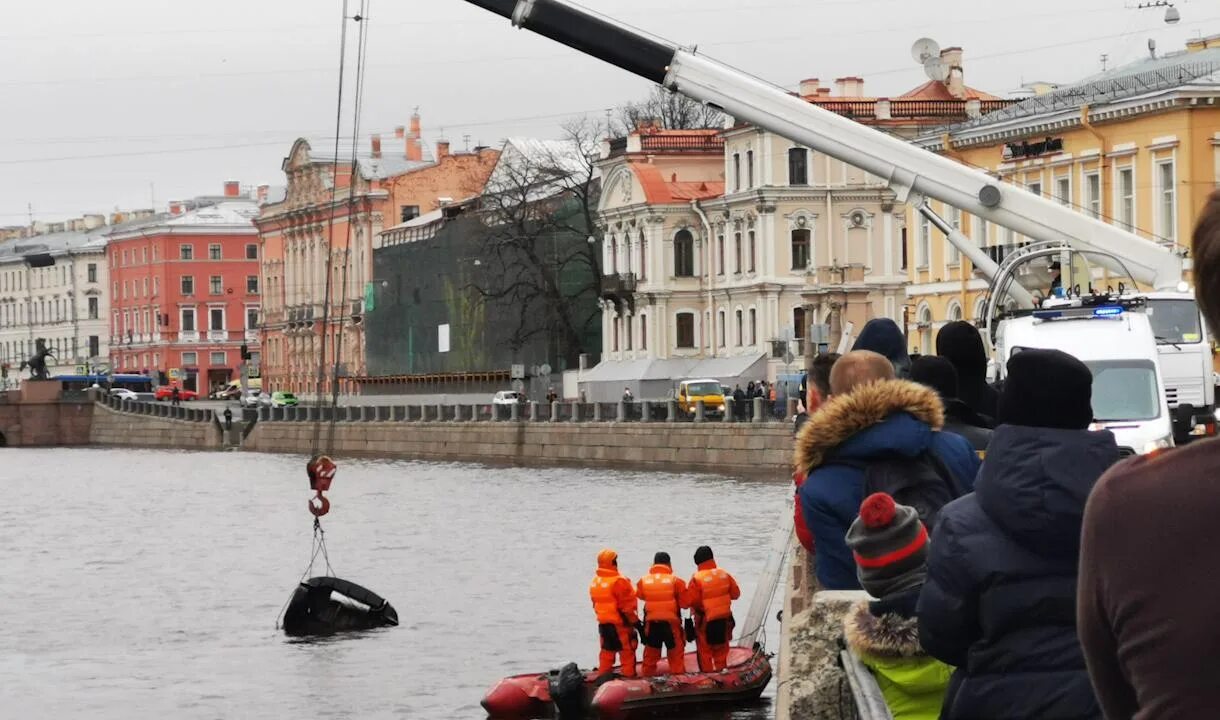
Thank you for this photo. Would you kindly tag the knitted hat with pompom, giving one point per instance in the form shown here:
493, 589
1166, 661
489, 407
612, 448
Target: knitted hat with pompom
890, 546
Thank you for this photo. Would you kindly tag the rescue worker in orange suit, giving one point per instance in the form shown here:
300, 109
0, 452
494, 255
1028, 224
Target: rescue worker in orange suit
710, 595
663, 593
615, 603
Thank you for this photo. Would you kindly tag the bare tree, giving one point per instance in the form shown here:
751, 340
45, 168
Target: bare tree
541, 258
670, 110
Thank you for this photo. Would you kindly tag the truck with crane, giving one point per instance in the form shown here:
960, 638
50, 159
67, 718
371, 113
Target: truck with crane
1183, 344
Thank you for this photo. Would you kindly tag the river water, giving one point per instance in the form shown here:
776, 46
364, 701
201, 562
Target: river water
146, 584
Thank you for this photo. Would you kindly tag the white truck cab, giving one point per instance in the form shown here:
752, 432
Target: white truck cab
1117, 343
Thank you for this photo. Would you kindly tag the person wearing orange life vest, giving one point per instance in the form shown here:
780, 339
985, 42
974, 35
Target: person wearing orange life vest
710, 594
615, 603
662, 593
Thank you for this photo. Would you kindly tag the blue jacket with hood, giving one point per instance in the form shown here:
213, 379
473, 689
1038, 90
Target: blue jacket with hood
893, 418
999, 602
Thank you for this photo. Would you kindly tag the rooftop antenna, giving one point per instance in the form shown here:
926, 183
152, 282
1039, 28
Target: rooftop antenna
926, 52
1152, 47
466, 142
1172, 16
1104, 58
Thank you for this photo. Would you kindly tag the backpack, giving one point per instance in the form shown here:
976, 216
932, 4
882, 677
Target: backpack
922, 482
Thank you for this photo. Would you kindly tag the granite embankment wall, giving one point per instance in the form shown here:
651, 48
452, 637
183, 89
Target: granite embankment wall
44, 424
726, 448
126, 429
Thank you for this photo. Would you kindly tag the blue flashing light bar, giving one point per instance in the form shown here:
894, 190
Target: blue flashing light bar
1048, 314
1107, 311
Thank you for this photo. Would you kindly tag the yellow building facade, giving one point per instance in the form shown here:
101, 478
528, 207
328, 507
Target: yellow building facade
1138, 146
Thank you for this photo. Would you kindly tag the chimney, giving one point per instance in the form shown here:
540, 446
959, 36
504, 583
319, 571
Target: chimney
262, 193
175, 207
823, 92
400, 132
956, 83
376, 145
809, 87
442, 149
415, 151
232, 188
850, 87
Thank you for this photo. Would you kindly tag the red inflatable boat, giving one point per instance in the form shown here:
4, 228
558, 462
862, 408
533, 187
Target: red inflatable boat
611, 697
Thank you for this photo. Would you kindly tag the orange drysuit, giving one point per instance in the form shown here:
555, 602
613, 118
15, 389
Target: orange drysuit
709, 595
615, 603
662, 593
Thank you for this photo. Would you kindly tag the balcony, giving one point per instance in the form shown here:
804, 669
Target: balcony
218, 335
188, 336
619, 288
251, 335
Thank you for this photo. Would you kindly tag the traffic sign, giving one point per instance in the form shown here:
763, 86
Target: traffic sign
518, 372
518, 385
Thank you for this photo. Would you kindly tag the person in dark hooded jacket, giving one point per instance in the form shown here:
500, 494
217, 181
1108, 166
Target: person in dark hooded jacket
999, 601
884, 337
870, 417
959, 342
939, 374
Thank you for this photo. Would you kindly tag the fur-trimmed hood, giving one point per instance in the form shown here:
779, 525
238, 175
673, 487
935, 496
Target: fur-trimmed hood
848, 425
889, 635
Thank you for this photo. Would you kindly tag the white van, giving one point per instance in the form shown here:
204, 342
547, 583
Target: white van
1120, 348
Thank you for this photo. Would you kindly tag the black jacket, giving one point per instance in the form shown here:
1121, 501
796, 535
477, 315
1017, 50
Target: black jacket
962, 420
1000, 599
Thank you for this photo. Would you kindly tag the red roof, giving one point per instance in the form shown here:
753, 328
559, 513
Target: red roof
659, 191
935, 90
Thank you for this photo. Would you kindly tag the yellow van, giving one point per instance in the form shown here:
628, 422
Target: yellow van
709, 391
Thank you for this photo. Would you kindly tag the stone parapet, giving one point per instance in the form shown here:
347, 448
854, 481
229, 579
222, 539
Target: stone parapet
112, 427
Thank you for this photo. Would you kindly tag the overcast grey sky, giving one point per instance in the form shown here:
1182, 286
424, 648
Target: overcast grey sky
109, 104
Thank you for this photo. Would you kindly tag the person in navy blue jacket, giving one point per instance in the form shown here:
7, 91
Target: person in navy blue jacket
870, 417
999, 602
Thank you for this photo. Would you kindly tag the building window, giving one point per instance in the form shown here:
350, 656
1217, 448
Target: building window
186, 252
190, 359
686, 329
800, 248
156, 286
213, 251
753, 327
145, 283
252, 284
144, 255
1063, 190
1167, 201
93, 308
125, 256
684, 255
251, 251
720, 254
251, 318
643, 332
749, 168
1092, 194
720, 327
188, 319
643, 257
798, 166
953, 256
1035, 187
924, 245
124, 290
217, 317
92, 272
613, 256
216, 285
752, 250
736, 172
408, 212
217, 358
737, 253
188, 284
95, 346
798, 322
740, 329
614, 341
1126, 197
630, 332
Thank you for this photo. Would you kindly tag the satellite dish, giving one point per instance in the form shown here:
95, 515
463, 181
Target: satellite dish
544, 369
936, 69
923, 49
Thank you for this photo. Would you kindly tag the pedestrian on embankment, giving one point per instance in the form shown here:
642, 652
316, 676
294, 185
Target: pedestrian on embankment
999, 603
875, 434
1147, 596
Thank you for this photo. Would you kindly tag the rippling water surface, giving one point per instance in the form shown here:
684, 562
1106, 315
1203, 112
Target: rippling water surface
142, 584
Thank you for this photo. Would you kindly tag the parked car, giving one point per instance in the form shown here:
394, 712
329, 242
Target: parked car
166, 392
508, 397
256, 399
124, 394
283, 399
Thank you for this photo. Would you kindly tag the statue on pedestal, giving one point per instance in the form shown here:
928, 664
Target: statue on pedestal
38, 363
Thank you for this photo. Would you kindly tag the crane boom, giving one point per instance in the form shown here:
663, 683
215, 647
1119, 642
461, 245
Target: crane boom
913, 173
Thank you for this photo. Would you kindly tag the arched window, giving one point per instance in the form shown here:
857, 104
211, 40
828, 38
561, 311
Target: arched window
925, 330
980, 307
613, 256
720, 253
684, 254
740, 328
737, 253
955, 312
752, 250
643, 273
